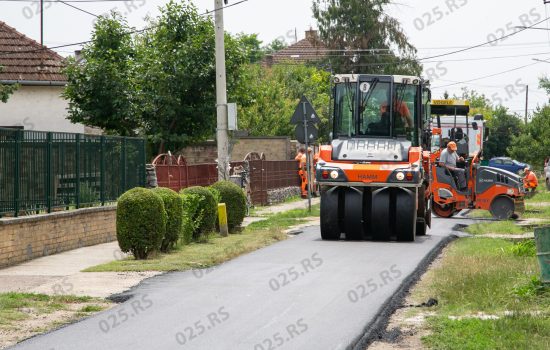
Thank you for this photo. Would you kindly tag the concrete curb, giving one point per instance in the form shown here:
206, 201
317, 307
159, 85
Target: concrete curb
375, 329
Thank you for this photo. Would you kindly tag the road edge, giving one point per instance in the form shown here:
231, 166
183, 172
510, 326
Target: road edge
376, 328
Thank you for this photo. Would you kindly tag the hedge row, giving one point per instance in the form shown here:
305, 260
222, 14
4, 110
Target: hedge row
155, 220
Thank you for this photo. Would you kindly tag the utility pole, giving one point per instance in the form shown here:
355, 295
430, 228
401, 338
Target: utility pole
221, 95
42, 23
527, 105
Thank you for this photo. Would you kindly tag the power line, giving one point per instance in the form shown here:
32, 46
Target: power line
136, 31
77, 8
483, 44
484, 77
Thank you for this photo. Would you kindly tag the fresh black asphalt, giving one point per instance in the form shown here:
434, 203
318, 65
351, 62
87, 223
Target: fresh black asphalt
302, 293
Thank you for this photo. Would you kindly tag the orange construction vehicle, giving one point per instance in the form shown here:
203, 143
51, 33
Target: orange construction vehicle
374, 176
499, 191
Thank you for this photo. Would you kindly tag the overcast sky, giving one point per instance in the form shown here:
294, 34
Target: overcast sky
435, 27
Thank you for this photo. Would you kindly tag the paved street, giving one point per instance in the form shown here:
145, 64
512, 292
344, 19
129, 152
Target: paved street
302, 293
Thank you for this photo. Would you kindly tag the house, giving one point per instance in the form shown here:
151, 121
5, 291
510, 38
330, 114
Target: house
310, 49
37, 104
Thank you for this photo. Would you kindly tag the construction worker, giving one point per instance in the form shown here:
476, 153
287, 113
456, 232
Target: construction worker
302, 169
402, 111
530, 181
448, 159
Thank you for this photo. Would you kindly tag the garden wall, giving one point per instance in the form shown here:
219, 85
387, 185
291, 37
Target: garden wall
31, 237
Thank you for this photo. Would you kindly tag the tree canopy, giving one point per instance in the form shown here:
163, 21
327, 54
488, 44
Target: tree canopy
364, 37
159, 82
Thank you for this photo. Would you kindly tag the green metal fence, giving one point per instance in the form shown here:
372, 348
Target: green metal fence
45, 171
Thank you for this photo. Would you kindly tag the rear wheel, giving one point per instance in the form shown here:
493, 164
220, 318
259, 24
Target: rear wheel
330, 226
502, 208
443, 211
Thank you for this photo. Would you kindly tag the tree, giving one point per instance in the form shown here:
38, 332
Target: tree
479, 103
267, 97
274, 46
544, 83
503, 128
159, 83
252, 47
353, 27
6, 90
177, 75
533, 145
101, 89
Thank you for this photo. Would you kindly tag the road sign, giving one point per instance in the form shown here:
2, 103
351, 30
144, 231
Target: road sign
312, 132
310, 114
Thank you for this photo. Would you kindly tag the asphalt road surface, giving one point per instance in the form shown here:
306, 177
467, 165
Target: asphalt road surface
302, 293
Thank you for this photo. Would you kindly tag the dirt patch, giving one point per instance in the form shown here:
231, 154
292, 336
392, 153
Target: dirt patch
38, 323
406, 326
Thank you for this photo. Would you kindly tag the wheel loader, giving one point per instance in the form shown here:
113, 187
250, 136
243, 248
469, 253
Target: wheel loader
498, 191
374, 176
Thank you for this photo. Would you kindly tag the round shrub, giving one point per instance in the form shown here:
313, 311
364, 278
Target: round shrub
173, 204
235, 200
140, 222
206, 214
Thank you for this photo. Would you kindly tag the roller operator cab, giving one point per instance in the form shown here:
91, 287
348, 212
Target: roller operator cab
373, 175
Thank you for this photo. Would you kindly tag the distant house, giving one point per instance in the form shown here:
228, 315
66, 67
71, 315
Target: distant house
310, 49
37, 104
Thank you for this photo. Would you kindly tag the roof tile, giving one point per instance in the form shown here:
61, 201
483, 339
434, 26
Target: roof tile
23, 59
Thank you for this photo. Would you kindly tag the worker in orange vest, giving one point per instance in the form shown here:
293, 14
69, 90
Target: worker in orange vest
301, 157
530, 181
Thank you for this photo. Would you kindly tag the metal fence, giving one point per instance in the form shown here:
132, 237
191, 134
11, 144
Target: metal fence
47, 171
174, 172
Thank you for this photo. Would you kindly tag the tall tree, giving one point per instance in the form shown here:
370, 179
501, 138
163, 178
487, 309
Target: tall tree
365, 38
177, 75
101, 88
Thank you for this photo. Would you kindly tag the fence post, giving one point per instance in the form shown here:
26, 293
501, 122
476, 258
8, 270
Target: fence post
142, 167
17, 172
102, 171
49, 170
77, 172
123, 165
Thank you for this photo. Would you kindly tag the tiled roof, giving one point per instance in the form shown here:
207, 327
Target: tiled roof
23, 59
306, 50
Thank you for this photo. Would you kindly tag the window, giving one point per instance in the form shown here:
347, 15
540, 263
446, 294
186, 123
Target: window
366, 112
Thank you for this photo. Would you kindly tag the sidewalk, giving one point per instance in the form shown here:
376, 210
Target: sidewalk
61, 273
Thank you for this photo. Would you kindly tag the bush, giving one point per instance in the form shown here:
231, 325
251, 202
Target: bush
205, 216
192, 216
173, 204
235, 201
140, 222
217, 195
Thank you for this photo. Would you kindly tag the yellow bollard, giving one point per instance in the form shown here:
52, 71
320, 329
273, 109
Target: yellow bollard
222, 218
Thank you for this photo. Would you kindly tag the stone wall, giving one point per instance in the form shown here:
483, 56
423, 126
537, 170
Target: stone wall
274, 148
31, 237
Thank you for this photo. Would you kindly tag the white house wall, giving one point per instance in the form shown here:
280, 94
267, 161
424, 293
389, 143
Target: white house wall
38, 108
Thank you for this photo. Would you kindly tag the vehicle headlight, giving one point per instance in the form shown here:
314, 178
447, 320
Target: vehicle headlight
334, 174
400, 176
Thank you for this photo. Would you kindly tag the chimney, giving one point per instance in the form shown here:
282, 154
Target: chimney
312, 35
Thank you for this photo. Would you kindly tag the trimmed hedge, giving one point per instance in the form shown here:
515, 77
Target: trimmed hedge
205, 217
173, 204
235, 201
141, 222
192, 216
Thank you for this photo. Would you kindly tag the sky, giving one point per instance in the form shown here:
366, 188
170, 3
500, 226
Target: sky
501, 70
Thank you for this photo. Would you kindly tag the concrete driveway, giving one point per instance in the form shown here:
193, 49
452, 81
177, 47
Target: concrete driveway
302, 293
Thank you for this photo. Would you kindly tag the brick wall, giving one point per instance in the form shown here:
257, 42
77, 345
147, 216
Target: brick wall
31, 237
